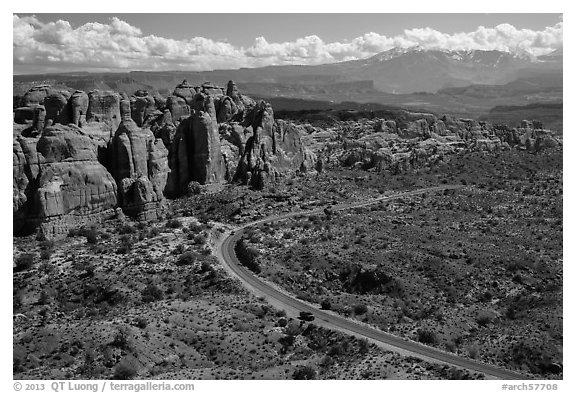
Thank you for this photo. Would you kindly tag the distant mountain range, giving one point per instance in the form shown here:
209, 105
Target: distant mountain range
393, 71
458, 82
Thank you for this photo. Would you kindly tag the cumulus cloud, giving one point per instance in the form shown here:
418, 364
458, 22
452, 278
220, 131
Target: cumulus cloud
117, 45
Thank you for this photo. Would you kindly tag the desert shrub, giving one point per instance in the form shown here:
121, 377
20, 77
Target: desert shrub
73, 232
483, 320
304, 372
193, 188
47, 245
325, 305
199, 239
45, 254
363, 346
126, 243
427, 337
91, 236
186, 258
152, 293
44, 298
473, 351
126, 229
24, 261
247, 256
336, 350
179, 249
140, 322
124, 371
173, 223
360, 309
121, 338
153, 232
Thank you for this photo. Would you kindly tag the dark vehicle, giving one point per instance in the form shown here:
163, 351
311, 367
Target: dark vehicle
306, 316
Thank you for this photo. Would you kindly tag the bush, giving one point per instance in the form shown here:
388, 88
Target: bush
325, 305
304, 372
427, 337
247, 256
121, 338
91, 236
483, 320
126, 244
140, 322
173, 223
24, 261
187, 258
199, 239
193, 188
360, 309
124, 371
45, 254
126, 229
152, 293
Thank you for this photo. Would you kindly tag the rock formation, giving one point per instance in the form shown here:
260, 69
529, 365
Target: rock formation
142, 105
275, 148
139, 164
185, 91
79, 107
104, 107
57, 108
195, 152
59, 182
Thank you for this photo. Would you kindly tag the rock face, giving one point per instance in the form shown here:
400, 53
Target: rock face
179, 108
59, 182
142, 105
140, 167
57, 108
79, 107
195, 152
185, 91
35, 96
104, 107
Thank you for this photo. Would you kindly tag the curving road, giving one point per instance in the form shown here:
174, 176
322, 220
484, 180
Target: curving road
281, 300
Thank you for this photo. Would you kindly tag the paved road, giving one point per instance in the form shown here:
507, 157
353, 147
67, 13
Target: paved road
283, 300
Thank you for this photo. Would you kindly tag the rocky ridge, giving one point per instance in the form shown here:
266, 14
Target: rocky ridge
416, 140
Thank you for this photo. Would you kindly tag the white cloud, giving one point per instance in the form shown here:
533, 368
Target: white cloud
118, 45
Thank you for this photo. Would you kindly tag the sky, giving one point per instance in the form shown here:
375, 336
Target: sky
125, 42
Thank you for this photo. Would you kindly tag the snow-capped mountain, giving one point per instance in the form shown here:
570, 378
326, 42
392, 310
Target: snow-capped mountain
416, 69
